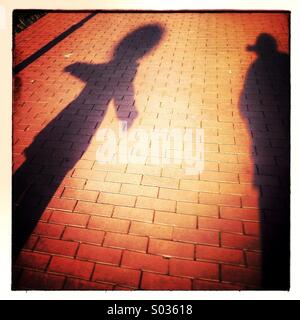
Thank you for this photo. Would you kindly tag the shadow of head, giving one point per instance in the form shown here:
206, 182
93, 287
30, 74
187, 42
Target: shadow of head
139, 42
265, 46
131, 48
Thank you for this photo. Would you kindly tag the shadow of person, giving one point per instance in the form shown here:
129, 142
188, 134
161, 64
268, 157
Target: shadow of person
61, 144
265, 106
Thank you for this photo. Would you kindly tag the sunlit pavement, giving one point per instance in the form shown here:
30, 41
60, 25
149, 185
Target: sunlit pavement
83, 224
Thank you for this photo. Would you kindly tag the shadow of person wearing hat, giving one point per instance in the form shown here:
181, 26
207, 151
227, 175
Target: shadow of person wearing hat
265, 106
57, 148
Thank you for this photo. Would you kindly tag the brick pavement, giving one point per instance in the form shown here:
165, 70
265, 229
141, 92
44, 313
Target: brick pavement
81, 224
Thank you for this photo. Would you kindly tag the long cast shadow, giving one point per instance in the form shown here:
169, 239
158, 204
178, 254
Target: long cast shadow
54, 151
265, 106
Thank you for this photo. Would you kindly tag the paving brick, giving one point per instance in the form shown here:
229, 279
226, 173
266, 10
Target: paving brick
143, 169
46, 215
30, 242
94, 208
171, 248
219, 176
83, 235
123, 177
89, 174
41, 281
117, 275
219, 254
103, 186
109, 224
99, 254
252, 228
75, 183
220, 199
220, 224
194, 269
34, 260
221, 157
74, 219
126, 241
201, 186
138, 214
237, 189
160, 182
250, 202
62, 204
222, 139
240, 241
54, 246
196, 236
152, 281
175, 219
241, 275
239, 213
178, 195
254, 259
171, 172
117, 199
145, 262
80, 194
156, 204
138, 190
84, 164
234, 149
151, 230
109, 167
72, 267
237, 167
197, 209
48, 229
213, 285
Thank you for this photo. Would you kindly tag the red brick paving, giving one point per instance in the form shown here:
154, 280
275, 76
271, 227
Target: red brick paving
148, 226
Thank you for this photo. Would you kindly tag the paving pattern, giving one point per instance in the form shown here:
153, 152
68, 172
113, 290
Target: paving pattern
82, 224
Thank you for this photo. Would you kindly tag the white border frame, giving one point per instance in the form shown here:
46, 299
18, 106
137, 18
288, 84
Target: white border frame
6, 8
